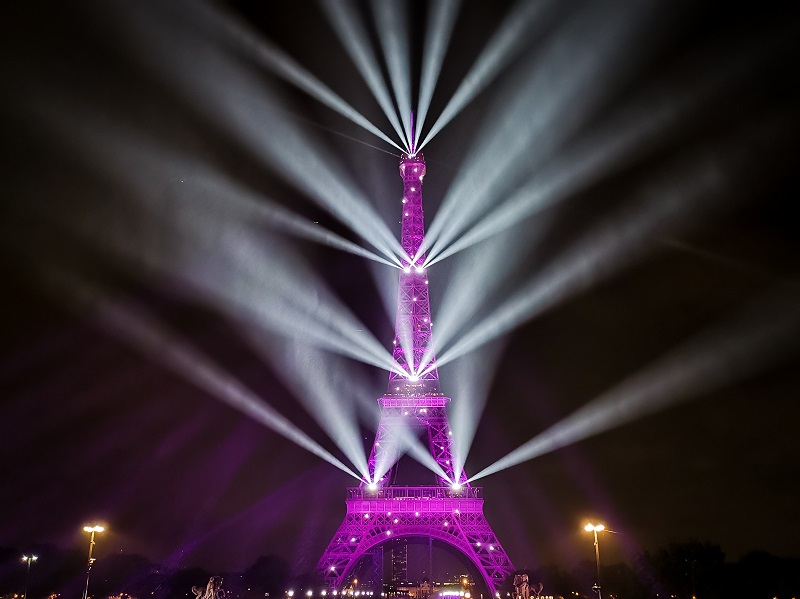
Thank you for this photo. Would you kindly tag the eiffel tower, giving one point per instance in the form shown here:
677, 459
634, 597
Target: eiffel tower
378, 512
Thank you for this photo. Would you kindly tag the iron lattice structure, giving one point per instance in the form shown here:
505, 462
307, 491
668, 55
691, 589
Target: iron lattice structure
380, 512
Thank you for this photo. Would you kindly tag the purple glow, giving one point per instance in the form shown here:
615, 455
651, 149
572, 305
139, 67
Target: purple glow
414, 399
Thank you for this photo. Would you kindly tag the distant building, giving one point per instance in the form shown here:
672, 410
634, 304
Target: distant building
399, 557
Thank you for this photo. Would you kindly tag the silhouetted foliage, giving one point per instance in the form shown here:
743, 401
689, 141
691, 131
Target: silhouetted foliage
681, 570
686, 570
269, 574
121, 573
759, 575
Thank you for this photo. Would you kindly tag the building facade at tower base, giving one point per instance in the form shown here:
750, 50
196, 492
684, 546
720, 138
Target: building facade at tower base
452, 517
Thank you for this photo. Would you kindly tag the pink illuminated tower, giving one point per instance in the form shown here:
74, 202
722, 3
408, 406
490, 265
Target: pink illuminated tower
378, 511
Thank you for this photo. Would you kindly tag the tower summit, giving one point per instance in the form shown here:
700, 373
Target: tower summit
413, 322
451, 511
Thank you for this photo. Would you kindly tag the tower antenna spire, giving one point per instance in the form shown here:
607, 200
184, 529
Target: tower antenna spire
413, 141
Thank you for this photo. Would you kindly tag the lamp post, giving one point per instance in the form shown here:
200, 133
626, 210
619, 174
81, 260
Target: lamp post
28, 559
595, 529
92, 530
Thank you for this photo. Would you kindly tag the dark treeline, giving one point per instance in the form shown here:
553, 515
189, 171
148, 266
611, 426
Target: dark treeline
679, 571
63, 572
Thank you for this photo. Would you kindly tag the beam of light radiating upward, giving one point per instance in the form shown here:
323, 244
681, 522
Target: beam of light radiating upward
441, 19
392, 24
317, 381
472, 375
516, 29
405, 441
290, 300
681, 198
478, 274
347, 23
284, 66
194, 228
756, 339
556, 92
139, 329
635, 132
254, 115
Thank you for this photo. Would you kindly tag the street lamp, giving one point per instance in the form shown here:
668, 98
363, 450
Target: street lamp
28, 559
92, 530
595, 529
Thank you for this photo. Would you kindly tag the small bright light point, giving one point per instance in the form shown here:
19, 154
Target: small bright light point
456, 486
388, 533
407, 269
419, 269
290, 593
491, 547
309, 593
416, 514
446, 523
372, 487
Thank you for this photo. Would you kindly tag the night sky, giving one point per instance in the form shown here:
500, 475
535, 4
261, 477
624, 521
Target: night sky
92, 428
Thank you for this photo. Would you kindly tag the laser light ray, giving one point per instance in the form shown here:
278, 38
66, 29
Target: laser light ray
406, 442
135, 326
473, 375
478, 274
284, 66
247, 109
294, 302
517, 28
199, 212
392, 27
441, 19
679, 199
316, 380
556, 91
347, 23
636, 131
114, 149
757, 338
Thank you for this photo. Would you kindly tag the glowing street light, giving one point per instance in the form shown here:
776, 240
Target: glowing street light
595, 529
92, 530
28, 559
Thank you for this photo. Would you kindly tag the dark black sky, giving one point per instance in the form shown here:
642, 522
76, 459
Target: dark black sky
92, 428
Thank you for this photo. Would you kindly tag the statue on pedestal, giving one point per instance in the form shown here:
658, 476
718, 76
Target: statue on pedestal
213, 590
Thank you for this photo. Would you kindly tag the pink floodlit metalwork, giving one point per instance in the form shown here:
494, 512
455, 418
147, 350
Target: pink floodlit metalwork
450, 511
